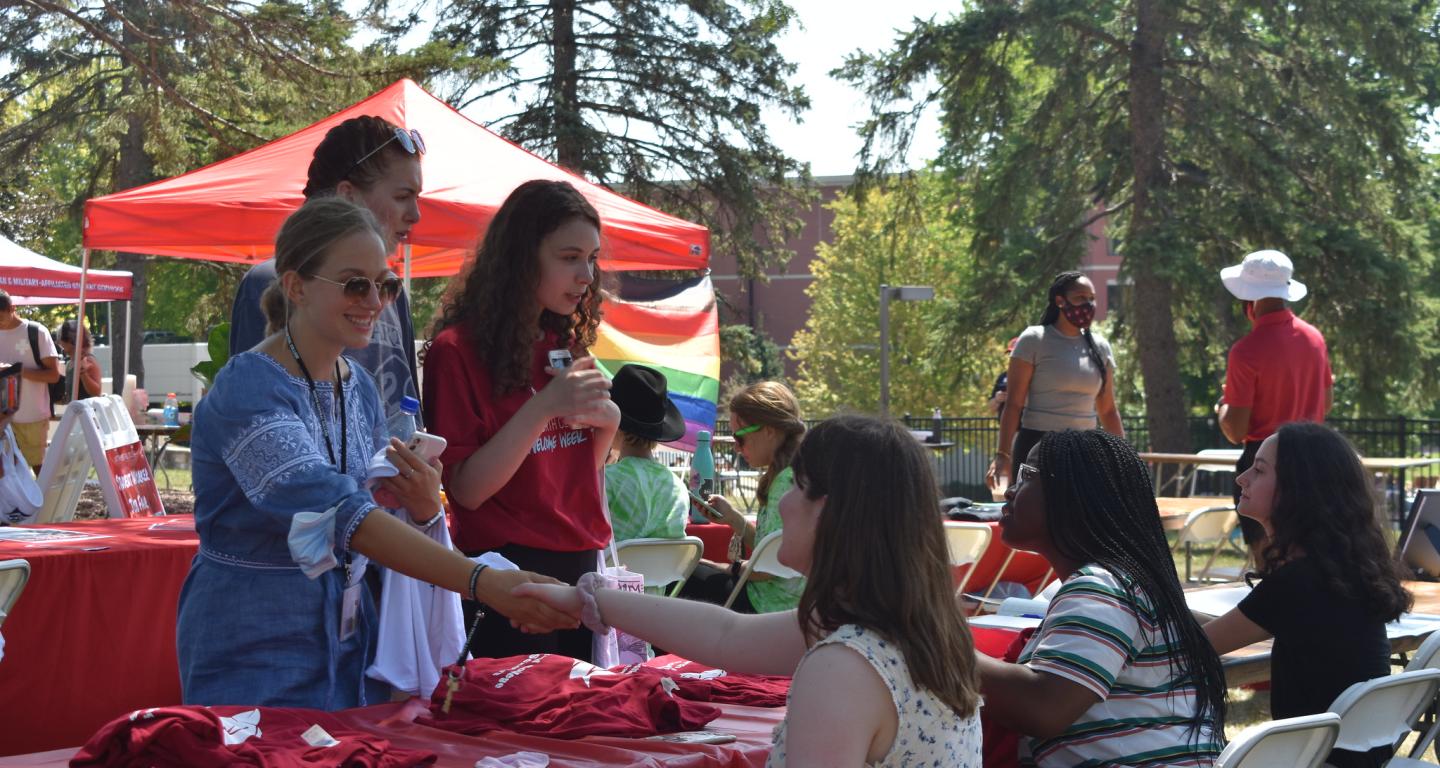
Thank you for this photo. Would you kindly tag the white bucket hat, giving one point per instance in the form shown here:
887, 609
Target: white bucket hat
1263, 275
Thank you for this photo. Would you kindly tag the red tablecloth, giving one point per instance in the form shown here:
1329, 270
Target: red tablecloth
93, 635
716, 537
1025, 568
751, 727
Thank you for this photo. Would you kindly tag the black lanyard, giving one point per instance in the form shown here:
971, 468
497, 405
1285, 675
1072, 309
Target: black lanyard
315, 402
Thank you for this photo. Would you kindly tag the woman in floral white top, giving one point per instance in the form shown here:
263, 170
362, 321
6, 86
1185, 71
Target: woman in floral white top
883, 664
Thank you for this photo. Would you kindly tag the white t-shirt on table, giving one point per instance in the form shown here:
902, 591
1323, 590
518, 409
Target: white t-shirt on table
15, 348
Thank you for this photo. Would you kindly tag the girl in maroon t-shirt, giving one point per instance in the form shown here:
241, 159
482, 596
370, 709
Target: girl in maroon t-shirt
526, 440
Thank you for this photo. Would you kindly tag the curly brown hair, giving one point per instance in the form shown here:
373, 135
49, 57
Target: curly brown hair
494, 300
1325, 509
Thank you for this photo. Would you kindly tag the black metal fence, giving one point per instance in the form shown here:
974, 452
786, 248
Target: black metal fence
961, 468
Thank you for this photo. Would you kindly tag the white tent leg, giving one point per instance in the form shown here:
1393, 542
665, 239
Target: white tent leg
79, 326
129, 328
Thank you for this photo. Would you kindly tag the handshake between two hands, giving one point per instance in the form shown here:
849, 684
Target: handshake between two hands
537, 604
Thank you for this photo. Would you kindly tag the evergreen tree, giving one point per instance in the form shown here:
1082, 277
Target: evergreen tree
661, 100
1200, 133
99, 98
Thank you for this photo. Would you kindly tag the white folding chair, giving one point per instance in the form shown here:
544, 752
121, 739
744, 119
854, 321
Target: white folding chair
766, 559
13, 576
661, 561
1378, 713
1427, 723
967, 543
1225, 459
1302, 742
1211, 525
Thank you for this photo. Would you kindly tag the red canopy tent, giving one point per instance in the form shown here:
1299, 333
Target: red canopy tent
30, 278
231, 210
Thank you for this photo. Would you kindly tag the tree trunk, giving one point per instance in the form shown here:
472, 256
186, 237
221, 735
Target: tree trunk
133, 169
569, 140
1165, 410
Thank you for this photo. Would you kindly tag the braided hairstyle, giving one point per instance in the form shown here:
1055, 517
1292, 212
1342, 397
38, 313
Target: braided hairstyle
1100, 509
771, 404
335, 155
1325, 507
1060, 286
303, 244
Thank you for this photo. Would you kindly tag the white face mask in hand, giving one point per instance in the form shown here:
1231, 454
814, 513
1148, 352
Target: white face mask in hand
737, 547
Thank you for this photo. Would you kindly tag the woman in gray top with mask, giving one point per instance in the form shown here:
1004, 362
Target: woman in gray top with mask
1061, 377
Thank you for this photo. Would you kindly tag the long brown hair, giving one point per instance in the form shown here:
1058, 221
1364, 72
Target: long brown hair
1325, 508
880, 559
303, 243
496, 299
771, 404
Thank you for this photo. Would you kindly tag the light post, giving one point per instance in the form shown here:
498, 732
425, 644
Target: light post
898, 293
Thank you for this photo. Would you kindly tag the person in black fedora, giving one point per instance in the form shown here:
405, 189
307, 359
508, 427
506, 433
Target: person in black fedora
646, 499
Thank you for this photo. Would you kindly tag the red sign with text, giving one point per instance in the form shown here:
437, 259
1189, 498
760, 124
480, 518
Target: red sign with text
134, 483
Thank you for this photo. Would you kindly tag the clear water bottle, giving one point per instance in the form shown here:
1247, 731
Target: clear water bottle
402, 424
172, 410
702, 472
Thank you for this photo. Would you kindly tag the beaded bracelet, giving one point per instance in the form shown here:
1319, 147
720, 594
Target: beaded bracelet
428, 524
589, 608
475, 579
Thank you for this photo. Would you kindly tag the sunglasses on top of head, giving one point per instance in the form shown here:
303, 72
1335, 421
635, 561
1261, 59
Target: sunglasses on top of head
409, 139
358, 288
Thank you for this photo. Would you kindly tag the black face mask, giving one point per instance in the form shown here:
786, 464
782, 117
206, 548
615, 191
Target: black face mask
1079, 315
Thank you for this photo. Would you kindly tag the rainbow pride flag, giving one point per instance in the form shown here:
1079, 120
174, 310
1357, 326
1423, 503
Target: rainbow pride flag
671, 326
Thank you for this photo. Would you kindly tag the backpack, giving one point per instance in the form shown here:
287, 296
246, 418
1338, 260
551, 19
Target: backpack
57, 389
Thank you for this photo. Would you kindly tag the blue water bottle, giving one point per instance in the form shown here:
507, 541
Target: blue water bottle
172, 410
702, 472
402, 424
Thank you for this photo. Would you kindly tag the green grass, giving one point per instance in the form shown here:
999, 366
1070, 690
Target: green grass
173, 479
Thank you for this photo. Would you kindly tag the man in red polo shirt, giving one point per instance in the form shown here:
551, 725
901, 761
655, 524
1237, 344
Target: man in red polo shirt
1277, 373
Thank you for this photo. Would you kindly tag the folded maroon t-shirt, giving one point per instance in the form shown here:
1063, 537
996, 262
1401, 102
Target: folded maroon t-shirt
263, 737
701, 683
562, 698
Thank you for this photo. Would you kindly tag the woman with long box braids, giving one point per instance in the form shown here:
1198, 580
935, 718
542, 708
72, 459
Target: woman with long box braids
1125, 672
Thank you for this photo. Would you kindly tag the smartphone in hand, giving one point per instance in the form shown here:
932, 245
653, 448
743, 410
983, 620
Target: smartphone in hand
560, 359
426, 446
705, 507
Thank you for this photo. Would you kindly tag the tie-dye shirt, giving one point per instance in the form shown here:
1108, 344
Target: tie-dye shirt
647, 500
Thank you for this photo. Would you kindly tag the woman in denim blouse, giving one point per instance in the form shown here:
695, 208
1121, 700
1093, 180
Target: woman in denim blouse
275, 611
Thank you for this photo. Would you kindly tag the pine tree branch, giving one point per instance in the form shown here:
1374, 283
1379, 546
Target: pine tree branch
208, 119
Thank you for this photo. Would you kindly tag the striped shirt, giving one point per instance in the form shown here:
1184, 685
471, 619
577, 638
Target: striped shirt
1101, 636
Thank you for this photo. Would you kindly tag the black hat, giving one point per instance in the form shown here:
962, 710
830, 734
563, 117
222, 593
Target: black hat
645, 410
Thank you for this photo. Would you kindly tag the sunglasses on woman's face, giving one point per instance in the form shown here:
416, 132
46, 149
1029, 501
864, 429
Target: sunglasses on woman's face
741, 433
409, 139
1027, 473
358, 288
